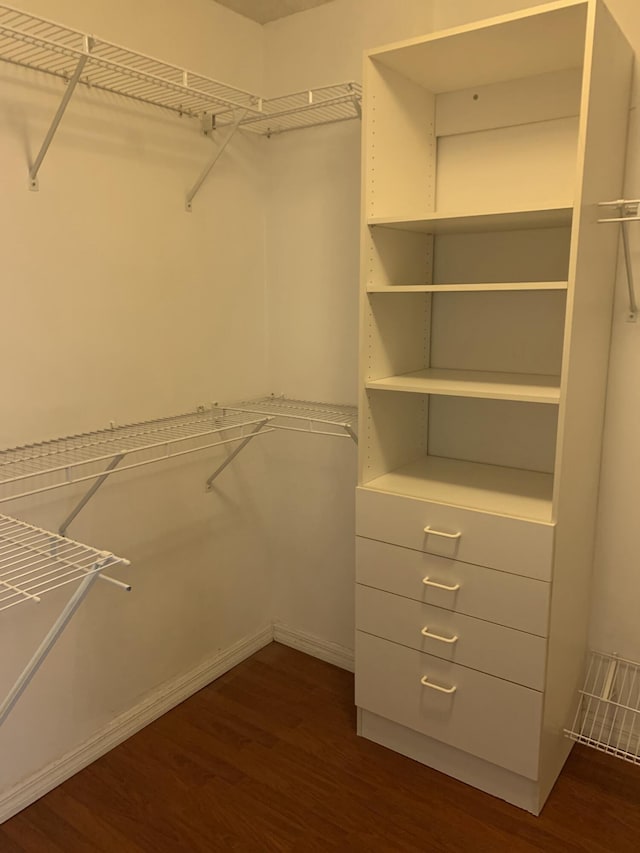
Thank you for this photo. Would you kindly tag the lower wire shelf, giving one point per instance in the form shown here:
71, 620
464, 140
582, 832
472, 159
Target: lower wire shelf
608, 713
34, 562
303, 415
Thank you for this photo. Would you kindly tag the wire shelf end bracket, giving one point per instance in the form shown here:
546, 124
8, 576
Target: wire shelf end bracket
628, 212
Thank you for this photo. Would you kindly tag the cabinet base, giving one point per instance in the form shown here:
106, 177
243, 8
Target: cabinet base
525, 793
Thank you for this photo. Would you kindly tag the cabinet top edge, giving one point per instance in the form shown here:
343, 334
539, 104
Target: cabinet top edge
476, 26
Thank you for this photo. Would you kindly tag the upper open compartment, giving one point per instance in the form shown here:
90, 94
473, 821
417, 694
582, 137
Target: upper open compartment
486, 118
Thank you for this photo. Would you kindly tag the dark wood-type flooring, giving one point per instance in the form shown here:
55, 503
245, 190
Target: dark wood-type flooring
267, 759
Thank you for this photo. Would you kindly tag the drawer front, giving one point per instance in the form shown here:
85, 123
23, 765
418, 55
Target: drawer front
513, 655
485, 716
517, 602
510, 544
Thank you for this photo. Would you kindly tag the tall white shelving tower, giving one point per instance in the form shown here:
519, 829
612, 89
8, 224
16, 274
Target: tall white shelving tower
486, 311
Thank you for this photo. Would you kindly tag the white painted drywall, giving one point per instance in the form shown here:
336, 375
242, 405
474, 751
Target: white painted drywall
117, 304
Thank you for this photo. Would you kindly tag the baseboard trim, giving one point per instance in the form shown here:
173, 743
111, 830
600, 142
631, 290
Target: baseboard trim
314, 646
163, 699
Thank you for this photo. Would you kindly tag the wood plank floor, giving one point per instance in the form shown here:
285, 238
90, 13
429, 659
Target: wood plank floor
267, 759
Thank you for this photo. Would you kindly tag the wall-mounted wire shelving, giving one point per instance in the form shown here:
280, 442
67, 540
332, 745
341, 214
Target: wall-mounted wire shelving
304, 415
95, 456
627, 210
78, 57
34, 562
608, 714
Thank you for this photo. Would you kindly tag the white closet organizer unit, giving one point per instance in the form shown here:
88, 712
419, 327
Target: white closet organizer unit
34, 562
79, 57
486, 302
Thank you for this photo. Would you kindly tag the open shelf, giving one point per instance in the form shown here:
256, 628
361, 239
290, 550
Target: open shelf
468, 288
34, 562
491, 488
53, 48
290, 414
473, 383
608, 714
48, 465
469, 223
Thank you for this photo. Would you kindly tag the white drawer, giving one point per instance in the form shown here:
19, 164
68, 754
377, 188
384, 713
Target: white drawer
514, 655
510, 600
484, 716
511, 544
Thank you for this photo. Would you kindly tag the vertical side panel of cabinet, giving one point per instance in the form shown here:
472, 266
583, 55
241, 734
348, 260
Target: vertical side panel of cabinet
399, 145
601, 156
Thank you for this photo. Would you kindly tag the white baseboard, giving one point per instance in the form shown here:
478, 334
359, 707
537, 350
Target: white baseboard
163, 699
314, 646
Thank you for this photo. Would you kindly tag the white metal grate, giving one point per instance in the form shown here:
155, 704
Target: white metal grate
310, 108
47, 46
48, 465
34, 562
608, 715
50, 47
320, 418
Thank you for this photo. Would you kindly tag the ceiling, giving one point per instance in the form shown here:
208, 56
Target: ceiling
264, 11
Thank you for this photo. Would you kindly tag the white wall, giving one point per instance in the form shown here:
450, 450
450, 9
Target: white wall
117, 304
312, 299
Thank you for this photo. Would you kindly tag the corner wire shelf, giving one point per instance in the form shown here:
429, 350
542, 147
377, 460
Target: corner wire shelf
34, 562
95, 456
608, 714
627, 210
320, 418
77, 57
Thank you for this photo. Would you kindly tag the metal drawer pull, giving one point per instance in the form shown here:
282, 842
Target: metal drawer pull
430, 531
426, 633
453, 588
426, 683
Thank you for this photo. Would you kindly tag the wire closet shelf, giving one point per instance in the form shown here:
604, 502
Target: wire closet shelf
36, 468
34, 562
44, 45
608, 714
290, 414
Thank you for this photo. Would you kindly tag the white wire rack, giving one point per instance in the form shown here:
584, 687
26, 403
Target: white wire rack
56, 49
289, 414
34, 562
311, 108
608, 714
94, 456
47, 46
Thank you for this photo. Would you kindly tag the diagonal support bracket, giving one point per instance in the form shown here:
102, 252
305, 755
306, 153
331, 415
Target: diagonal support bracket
87, 497
232, 456
71, 85
628, 212
238, 116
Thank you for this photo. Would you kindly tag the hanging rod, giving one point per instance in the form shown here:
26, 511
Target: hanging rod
36, 468
34, 562
628, 209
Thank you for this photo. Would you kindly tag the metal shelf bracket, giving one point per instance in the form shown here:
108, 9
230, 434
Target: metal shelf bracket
237, 118
232, 456
68, 94
628, 212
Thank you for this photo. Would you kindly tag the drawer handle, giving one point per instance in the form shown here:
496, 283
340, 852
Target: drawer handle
426, 633
453, 588
426, 683
431, 532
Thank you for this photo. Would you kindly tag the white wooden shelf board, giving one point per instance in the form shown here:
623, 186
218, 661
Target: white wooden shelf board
474, 383
540, 41
34, 562
505, 491
468, 223
469, 288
